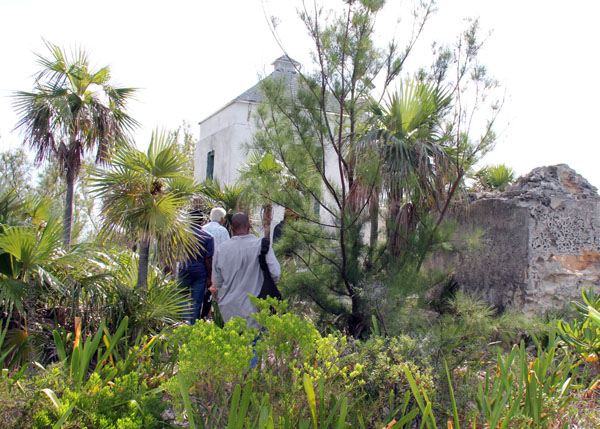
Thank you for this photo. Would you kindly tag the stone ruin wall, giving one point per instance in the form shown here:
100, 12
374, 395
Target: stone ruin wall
497, 269
541, 243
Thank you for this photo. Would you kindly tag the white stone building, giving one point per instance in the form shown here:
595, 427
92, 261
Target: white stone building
220, 149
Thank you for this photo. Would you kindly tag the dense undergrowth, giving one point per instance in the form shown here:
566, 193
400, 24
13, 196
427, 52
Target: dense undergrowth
83, 346
471, 368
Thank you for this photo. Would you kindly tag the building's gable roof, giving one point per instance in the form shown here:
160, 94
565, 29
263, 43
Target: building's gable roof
284, 68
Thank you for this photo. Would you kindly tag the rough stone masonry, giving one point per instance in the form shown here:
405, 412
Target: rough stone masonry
541, 243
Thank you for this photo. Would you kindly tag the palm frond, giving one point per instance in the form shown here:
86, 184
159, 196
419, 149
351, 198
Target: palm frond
231, 197
12, 292
32, 246
147, 195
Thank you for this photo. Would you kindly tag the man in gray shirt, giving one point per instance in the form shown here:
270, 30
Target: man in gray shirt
236, 272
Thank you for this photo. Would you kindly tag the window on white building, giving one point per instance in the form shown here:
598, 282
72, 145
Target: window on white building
210, 164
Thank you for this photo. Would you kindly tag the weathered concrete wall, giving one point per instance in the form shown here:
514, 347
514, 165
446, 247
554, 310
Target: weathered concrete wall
497, 270
542, 241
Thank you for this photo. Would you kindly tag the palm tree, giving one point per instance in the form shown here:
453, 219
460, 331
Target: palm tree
72, 110
233, 198
146, 197
408, 136
32, 263
494, 177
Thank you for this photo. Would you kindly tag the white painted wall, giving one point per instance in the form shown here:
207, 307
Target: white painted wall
225, 133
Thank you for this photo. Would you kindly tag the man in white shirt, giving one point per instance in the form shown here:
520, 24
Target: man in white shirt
215, 226
236, 272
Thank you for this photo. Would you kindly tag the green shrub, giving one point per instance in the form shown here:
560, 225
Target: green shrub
292, 347
209, 354
212, 361
13, 399
125, 402
384, 361
583, 336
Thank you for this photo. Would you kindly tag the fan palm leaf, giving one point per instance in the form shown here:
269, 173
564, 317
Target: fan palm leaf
162, 304
30, 253
407, 135
32, 246
145, 196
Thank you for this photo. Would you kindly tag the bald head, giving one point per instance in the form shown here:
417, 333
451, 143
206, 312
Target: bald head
240, 224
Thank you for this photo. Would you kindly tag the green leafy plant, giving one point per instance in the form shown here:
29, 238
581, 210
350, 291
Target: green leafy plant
145, 197
520, 388
583, 337
494, 177
125, 401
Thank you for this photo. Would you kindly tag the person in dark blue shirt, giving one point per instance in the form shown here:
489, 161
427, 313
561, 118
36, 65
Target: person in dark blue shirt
196, 272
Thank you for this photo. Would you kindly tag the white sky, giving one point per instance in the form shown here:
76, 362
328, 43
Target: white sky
191, 57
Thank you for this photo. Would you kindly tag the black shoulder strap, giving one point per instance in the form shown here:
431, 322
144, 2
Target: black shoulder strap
264, 245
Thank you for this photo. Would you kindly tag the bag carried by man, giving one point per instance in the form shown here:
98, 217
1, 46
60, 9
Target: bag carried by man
269, 288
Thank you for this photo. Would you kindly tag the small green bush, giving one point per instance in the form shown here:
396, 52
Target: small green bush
210, 361
13, 399
383, 361
125, 402
213, 360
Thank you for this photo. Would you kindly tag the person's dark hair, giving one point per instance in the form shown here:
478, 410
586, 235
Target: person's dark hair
240, 223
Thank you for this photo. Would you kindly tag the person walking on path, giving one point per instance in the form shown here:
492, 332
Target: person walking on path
195, 274
237, 273
215, 226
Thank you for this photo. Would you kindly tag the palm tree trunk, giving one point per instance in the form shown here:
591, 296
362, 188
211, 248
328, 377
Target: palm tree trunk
267, 218
393, 225
68, 217
142, 284
374, 230
374, 216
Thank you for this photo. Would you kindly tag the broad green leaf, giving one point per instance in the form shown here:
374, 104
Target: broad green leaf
310, 396
64, 417
187, 400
